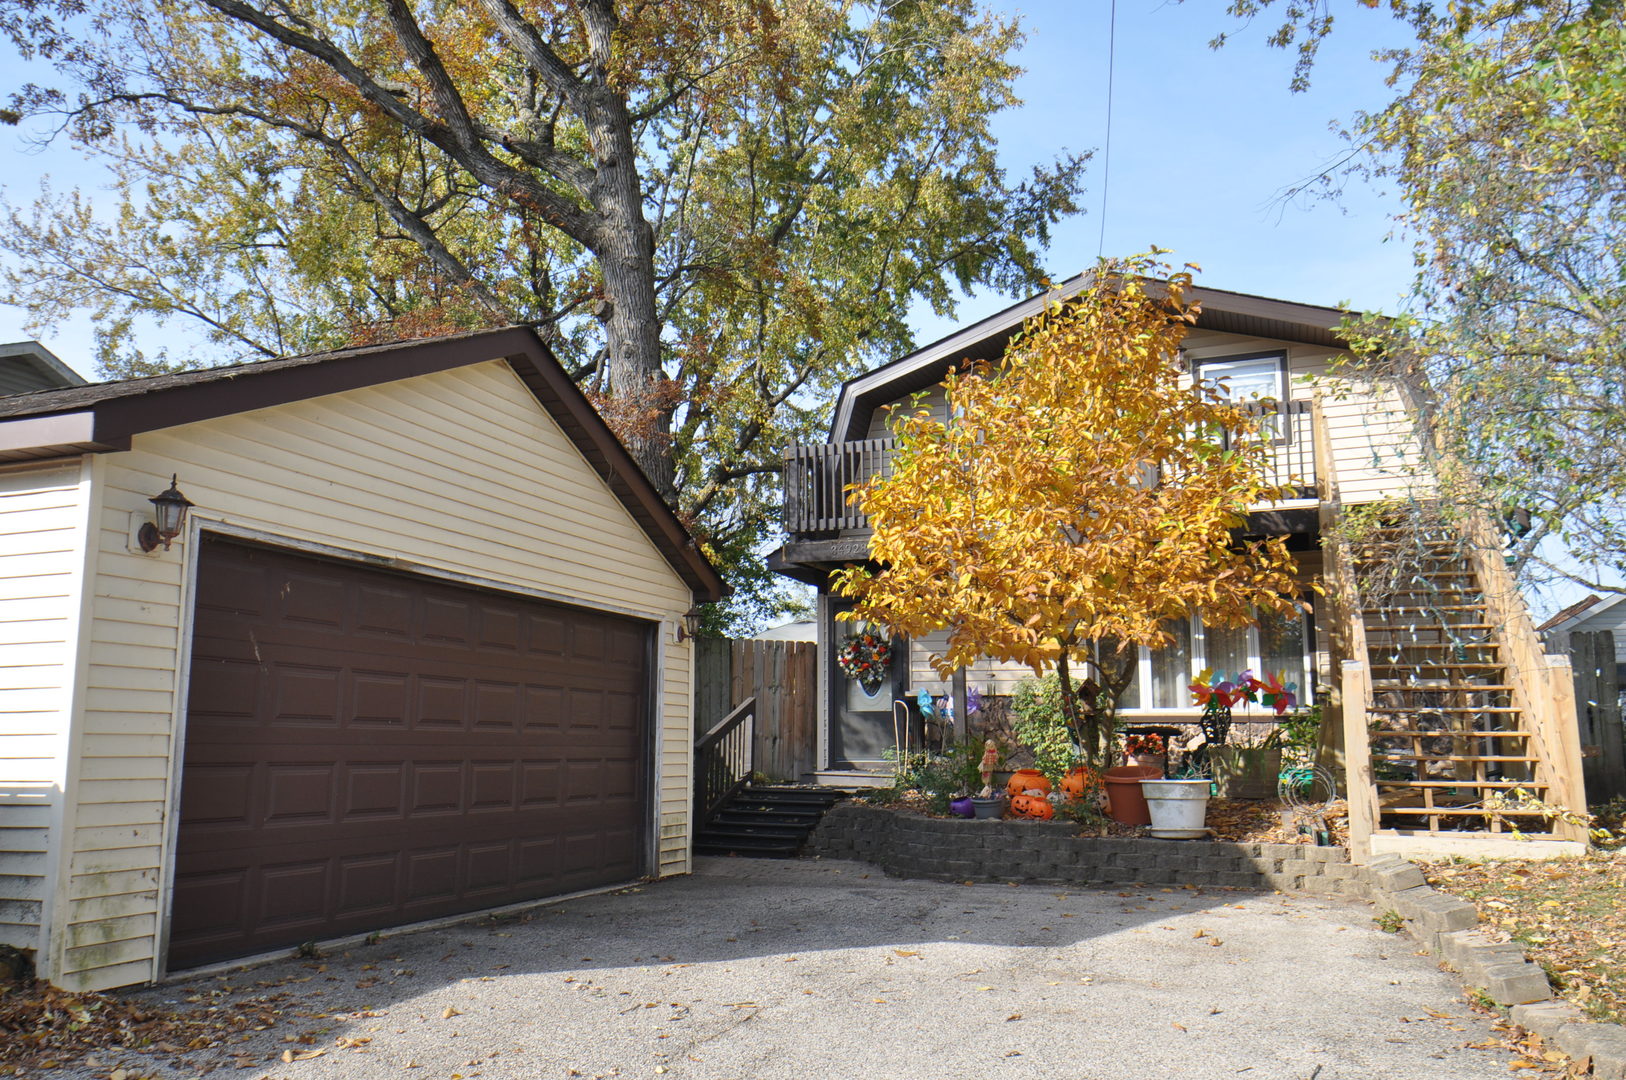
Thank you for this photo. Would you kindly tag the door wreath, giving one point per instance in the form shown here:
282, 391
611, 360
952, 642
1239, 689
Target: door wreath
865, 656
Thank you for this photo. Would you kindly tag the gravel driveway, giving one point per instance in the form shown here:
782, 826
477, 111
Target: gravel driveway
822, 969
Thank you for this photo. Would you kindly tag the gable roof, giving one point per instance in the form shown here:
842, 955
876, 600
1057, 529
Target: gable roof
1223, 311
103, 417
27, 365
1579, 612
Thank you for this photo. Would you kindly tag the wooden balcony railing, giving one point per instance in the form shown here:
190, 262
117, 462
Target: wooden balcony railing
817, 476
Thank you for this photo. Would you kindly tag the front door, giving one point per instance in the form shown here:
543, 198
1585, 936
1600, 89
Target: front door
862, 730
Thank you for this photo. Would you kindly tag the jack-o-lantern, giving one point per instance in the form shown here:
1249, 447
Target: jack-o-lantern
1033, 806
1026, 780
1076, 782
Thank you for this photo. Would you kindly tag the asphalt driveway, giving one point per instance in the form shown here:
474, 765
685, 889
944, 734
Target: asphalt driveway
764, 970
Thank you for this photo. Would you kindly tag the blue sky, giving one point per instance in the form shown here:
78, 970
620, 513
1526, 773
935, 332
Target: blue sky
1202, 143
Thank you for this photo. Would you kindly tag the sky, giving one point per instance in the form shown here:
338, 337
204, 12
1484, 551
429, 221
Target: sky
1203, 144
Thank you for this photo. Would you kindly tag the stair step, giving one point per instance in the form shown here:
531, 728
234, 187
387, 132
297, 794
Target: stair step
1402, 758
1372, 646
1386, 733
1485, 666
1506, 785
746, 816
1415, 688
717, 830
1400, 709
1447, 811
760, 849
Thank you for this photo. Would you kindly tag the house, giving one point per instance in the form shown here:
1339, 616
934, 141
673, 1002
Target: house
1591, 615
1456, 698
413, 652
26, 366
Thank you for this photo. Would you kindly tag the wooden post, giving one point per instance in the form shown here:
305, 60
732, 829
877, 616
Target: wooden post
962, 722
1362, 795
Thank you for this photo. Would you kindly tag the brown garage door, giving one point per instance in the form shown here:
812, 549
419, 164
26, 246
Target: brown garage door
365, 749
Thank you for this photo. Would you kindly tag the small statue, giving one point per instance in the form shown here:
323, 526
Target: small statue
990, 762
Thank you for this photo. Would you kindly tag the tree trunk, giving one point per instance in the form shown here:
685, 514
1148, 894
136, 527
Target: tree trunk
626, 254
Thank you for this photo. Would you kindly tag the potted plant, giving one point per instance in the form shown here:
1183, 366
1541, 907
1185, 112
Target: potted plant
1177, 808
1146, 749
1246, 769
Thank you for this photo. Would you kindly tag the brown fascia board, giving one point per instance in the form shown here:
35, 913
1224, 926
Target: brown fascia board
1224, 311
103, 417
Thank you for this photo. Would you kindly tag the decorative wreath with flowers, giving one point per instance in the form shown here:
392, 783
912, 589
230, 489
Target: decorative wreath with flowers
1150, 744
865, 656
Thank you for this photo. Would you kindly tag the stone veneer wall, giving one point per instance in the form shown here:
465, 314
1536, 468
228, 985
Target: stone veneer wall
945, 849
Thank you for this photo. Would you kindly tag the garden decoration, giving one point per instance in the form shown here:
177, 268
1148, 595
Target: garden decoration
973, 702
963, 807
866, 657
990, 762
1241, 771
1033, 806
1027, 782
1309, 792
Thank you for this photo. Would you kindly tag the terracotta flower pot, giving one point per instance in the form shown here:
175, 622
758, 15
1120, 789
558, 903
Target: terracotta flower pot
1125, 803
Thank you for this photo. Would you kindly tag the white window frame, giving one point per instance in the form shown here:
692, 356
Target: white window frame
1199, 660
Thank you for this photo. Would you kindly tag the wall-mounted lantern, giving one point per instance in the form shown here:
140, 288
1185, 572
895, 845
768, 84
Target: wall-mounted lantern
690, 626
170, 506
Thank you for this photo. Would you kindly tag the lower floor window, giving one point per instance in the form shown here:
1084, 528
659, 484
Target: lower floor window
1279, 643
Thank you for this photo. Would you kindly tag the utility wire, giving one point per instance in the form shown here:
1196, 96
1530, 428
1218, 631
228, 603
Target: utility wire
1106, 154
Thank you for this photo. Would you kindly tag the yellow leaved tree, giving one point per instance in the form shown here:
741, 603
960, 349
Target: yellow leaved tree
1080, 496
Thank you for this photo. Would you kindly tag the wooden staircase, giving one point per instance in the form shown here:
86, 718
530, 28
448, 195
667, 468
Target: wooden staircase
1444, 702
1445, 732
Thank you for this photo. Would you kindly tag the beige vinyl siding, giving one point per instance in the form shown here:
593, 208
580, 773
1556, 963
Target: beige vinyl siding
43, 528
459, 472
1373, 439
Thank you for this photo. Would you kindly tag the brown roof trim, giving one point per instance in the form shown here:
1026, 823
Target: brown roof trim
1222, 310
104, 416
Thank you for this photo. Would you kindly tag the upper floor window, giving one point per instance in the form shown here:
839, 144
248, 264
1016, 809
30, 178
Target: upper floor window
1247, 378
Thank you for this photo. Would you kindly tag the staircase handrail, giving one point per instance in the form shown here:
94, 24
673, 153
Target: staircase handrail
723, 760
1543, 684
1352, 676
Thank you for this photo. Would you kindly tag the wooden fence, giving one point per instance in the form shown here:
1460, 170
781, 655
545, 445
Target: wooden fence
783, 678
1597, 708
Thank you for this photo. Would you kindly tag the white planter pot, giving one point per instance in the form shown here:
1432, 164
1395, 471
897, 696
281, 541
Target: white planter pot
1178, 808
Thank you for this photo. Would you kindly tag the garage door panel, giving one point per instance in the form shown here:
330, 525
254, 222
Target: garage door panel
365, 749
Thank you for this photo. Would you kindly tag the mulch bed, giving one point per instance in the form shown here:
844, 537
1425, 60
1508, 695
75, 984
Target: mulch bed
1241, 821
1569, 915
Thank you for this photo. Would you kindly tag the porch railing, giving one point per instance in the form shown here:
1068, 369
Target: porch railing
817, 476
723, 760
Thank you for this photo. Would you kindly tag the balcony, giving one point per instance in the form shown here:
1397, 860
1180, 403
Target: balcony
817, 476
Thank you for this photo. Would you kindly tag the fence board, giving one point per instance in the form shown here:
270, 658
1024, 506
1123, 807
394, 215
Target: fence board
781, 676
1597, 707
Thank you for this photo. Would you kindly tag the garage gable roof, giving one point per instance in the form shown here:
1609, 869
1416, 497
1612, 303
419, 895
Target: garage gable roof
1228, 312
104, 417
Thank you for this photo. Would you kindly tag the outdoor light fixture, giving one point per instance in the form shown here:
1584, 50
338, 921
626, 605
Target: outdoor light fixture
690, 626
171, 512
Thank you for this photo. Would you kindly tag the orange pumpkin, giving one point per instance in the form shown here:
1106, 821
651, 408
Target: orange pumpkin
1075, 783
1033, 806
1025, 780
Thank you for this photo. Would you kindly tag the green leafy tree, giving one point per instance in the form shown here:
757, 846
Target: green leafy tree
1506, 139
713, 211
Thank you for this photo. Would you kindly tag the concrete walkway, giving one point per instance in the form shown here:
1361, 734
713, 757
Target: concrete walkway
765, 970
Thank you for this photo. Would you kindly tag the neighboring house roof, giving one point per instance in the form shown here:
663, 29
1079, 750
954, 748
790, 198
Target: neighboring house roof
1582, 611
103, 417
1226, 312
805, 630
27, 365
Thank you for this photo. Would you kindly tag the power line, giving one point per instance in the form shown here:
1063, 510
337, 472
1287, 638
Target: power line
1106, 153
